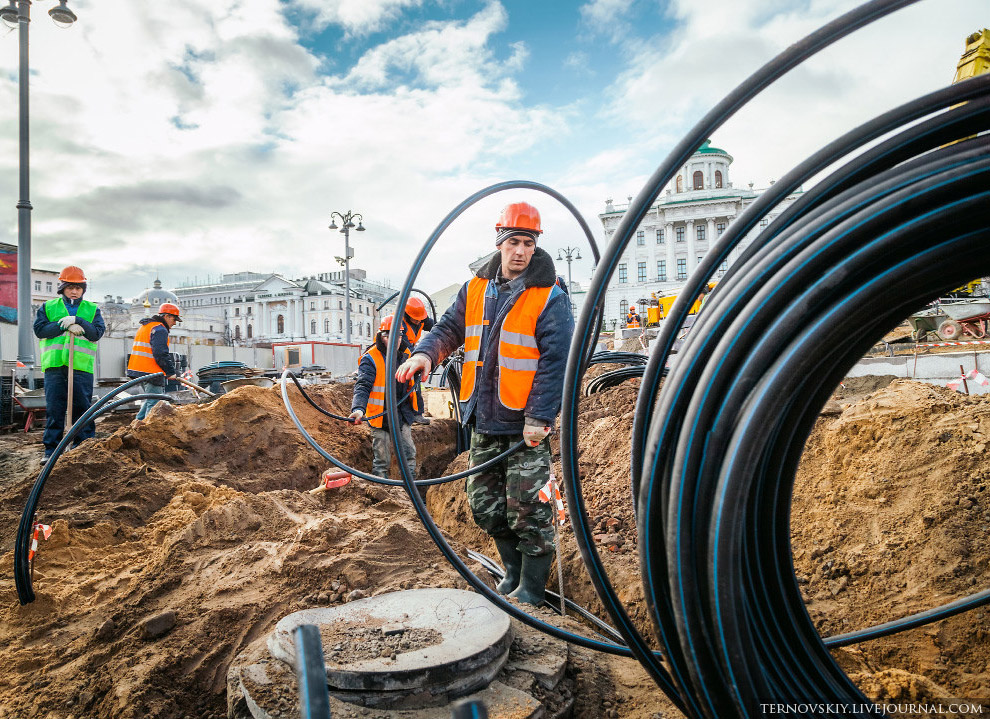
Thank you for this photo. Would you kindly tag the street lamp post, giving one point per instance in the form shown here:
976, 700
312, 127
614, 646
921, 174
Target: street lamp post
570, 254
18, 14
346, 223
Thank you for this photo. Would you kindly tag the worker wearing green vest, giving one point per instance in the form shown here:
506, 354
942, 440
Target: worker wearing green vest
56, 320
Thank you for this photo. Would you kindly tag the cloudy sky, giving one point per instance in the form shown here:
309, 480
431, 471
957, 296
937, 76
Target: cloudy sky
190, 139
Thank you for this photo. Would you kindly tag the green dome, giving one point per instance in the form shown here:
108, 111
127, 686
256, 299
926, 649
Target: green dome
707, 149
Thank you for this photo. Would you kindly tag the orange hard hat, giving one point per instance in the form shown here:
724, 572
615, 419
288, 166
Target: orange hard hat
169, 309
386, 324
632, 308
416, 309
72, 275
519, 216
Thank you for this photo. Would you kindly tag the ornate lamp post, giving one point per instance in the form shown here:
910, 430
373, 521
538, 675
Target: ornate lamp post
17, 14
346, 223
570, 254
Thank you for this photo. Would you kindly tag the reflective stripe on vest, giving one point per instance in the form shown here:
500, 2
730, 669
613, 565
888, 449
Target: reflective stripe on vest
142, 358
518, 355
55, 351
474, 326
376, 398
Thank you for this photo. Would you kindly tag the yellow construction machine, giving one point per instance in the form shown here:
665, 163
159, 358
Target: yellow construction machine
658, 307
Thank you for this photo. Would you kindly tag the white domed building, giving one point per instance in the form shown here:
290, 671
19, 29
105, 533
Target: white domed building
687, 219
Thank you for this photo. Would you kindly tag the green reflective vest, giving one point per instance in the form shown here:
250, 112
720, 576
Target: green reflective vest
55, 351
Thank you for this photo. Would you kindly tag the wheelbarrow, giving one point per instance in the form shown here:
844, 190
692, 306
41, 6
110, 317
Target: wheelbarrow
965, 318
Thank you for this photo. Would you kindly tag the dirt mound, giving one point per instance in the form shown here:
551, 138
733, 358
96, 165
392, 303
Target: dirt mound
889, 518
180, 541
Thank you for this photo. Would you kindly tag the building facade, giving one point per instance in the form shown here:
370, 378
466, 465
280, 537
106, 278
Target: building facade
679, 230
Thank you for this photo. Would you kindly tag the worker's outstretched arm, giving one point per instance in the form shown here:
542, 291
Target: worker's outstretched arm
445, 337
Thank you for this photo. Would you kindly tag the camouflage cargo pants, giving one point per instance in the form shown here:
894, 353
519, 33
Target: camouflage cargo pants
505, 499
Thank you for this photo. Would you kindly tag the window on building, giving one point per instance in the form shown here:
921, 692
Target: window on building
680, 184
367, 326
249, 310
340, 328
48, 286
623, 277
37, 285
312, 327
237, 332
641, 272
326, 326
640, 238
718, 178
699, 180
661, 270
312, 305
211, 328
280, 323
326, 304
682, 268
623, 308
237, 312
659, 236
719, 228
764, 222
700, 258
249, 332
340, 304
679, 234
723, 268
699, 232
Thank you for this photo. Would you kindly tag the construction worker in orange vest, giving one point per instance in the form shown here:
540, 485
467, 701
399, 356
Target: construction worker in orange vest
515, 324
369, 400
56, 320
632, 318
150, 353
416, 319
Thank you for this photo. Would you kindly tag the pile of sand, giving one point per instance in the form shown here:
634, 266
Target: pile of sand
180, 541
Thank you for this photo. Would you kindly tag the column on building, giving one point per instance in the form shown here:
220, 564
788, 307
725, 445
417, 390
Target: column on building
691, 245
668, 234
711, 232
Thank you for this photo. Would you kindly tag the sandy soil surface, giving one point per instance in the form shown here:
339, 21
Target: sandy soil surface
178, 542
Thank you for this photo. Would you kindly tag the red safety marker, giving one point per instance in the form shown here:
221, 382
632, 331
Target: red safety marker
550, 491
43, 529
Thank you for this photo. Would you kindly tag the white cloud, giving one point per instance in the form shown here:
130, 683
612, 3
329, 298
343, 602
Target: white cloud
719, 44
357, 17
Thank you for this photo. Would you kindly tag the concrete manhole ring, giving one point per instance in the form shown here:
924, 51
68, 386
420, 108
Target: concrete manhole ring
473, 642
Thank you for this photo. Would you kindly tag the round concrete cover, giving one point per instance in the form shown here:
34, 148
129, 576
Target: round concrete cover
475, 634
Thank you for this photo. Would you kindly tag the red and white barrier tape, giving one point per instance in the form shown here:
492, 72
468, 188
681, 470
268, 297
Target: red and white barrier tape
974, 374
953, 344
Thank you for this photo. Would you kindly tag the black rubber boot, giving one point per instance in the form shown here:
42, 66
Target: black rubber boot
512, 561
533, 580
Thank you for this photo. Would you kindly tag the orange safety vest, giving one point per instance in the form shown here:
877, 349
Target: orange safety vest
632, 322
376, 398
518, 355
142, 359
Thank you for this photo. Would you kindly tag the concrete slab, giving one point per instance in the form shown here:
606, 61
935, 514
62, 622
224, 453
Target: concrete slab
471, 639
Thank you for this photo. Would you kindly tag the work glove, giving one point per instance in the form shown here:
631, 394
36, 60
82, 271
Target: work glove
66, 322
356, 416
535, 431
77, 330
419, 363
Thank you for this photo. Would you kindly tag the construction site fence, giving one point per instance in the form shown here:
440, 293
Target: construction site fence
112, 353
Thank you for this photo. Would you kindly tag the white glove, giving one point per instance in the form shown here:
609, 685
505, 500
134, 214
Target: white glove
66, 322
418, 363
356, 416
76, 330
534, 432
